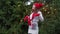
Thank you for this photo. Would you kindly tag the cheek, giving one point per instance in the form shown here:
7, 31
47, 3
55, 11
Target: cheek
33, 9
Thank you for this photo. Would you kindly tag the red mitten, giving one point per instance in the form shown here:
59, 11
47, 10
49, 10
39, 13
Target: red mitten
26, 18
29, 22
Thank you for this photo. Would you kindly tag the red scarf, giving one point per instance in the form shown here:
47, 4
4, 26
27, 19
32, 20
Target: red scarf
27, 18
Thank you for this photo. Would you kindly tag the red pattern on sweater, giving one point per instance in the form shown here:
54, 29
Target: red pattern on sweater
27, 18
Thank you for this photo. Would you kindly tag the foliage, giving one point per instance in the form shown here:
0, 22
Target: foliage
12, 13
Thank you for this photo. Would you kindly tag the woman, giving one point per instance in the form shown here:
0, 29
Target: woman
33, 19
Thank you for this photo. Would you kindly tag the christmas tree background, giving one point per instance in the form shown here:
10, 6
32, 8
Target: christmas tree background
12, 13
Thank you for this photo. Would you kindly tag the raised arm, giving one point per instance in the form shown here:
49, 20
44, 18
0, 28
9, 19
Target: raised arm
41, 18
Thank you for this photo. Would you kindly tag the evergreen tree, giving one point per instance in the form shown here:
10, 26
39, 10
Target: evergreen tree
12, 13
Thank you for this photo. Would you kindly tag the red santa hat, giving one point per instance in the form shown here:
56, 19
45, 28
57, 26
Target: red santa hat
37, 5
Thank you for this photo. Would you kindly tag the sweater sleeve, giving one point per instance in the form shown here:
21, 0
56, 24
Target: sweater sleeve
41, 18
31, 15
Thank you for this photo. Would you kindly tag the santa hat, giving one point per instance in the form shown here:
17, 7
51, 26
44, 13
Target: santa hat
37, 5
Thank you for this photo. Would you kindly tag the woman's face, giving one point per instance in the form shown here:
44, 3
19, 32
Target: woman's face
35, 10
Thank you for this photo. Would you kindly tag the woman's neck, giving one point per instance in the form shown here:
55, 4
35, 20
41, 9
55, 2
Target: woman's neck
36, 11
